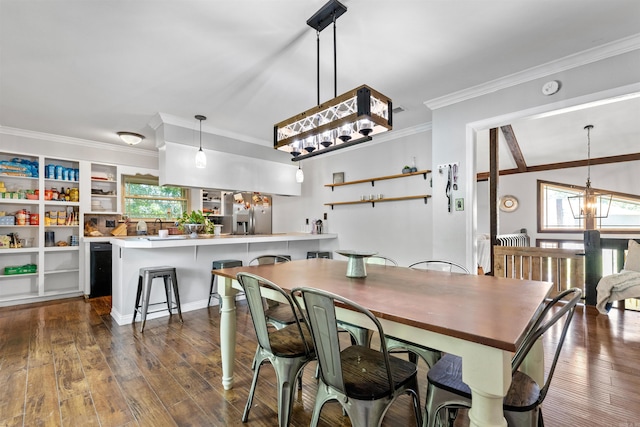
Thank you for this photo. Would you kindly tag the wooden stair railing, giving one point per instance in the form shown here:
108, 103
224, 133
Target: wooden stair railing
563, 267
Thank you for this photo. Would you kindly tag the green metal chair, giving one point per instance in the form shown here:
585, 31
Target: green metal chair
363, 380
288, 349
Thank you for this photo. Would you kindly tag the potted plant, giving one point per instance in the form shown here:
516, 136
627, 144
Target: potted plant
406, 169
194, 222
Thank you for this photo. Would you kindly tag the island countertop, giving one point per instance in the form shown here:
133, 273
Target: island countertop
193, 259
225, 239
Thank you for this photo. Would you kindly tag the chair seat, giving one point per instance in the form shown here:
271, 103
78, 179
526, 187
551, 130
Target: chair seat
447, 374
286, 342
365, 376
281, 313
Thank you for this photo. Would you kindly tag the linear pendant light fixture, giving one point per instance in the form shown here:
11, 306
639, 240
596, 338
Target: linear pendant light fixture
346, 120
201, 158
590, 204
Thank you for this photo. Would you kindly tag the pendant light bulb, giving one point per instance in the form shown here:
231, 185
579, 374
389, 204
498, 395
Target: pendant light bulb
201, 157
299, 175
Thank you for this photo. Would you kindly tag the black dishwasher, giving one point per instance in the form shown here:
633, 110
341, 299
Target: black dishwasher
100, 269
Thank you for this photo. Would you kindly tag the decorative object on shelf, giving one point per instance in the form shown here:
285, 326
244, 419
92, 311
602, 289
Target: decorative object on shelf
299, 174
201, 158
508, 203
343, 121
131, 138
591, 204
356, 265
338, 177
406, 169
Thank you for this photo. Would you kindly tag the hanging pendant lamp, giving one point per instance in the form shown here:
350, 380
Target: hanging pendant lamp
590, 204
346, 120
201, 158
299, 174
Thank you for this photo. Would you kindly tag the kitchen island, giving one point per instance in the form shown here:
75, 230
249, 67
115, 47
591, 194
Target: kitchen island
192, 258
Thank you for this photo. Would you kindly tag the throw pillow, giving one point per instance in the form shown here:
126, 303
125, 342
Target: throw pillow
633, 256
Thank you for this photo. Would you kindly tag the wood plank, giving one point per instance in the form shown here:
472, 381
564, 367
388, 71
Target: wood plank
41, 399
379, 178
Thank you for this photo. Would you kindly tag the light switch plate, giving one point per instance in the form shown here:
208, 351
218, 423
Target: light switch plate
459, 204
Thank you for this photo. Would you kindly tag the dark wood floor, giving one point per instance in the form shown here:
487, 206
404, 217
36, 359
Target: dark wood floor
68, 363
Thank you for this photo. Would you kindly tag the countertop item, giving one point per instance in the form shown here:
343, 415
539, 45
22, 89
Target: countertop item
356, 266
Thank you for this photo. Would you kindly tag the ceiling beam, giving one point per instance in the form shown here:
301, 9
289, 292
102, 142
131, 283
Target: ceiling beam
484, 176
514, 147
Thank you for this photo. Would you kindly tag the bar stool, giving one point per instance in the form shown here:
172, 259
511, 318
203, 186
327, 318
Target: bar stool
318, 254
145, 280
213, 289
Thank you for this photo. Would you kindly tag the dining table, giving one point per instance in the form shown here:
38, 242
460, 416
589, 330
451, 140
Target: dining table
482, 319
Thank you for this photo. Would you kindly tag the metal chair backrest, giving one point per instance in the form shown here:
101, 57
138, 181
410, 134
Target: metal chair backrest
440, 265
321, 314
251, 285
268, 259
381, 260
567, 300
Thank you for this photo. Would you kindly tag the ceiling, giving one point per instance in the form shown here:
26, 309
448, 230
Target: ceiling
87, 69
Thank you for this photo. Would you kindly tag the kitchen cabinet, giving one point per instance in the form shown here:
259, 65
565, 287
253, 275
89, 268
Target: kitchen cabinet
212, 203
48, 230
373, 199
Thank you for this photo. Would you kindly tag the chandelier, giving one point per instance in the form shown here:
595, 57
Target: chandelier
590, 204
345, 120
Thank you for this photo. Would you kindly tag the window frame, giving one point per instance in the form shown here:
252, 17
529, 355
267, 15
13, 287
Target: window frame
154, 181
540, 211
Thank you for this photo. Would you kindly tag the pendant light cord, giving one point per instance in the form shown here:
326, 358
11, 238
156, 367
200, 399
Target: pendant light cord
335, 60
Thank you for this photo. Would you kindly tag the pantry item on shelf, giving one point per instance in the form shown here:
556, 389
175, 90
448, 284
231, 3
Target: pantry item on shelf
61, 243
5, 242
99, 175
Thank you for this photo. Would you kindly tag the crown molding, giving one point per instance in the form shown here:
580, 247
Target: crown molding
84, 143
575, 60
164, 118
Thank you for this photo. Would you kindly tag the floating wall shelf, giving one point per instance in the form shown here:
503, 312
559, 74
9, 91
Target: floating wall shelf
380, 178
386, 199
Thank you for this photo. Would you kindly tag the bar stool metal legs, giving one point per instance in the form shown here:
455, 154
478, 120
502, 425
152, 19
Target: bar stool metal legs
145, 280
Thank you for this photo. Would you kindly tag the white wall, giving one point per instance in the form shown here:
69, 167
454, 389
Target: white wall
454, 129
400, 230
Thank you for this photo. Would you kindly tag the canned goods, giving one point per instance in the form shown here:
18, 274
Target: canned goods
35, 219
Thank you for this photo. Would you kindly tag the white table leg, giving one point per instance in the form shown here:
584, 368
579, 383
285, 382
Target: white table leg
227, 331
533, 364
487, 371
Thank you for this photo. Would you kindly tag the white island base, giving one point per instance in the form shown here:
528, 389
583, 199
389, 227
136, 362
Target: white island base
193, 258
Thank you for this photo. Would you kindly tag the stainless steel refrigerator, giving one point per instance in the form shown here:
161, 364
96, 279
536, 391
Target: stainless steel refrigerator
250, 212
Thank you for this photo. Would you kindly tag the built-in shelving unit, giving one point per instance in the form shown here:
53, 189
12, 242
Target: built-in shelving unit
104, 189
28, 197
373, 180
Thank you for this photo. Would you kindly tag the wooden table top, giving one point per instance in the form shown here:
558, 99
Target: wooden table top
483, 309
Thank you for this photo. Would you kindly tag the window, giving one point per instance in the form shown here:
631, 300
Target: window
145, 199
554, 213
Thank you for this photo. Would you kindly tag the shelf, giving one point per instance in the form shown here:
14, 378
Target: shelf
70, 270
5, 176
61, 248
20, 201
18, 226
386, 199
380, 178
19, 251
16, 276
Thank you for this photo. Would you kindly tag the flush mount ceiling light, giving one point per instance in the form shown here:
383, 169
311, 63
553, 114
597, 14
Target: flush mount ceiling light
590, 204
201, 158
345, 120
131, 138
